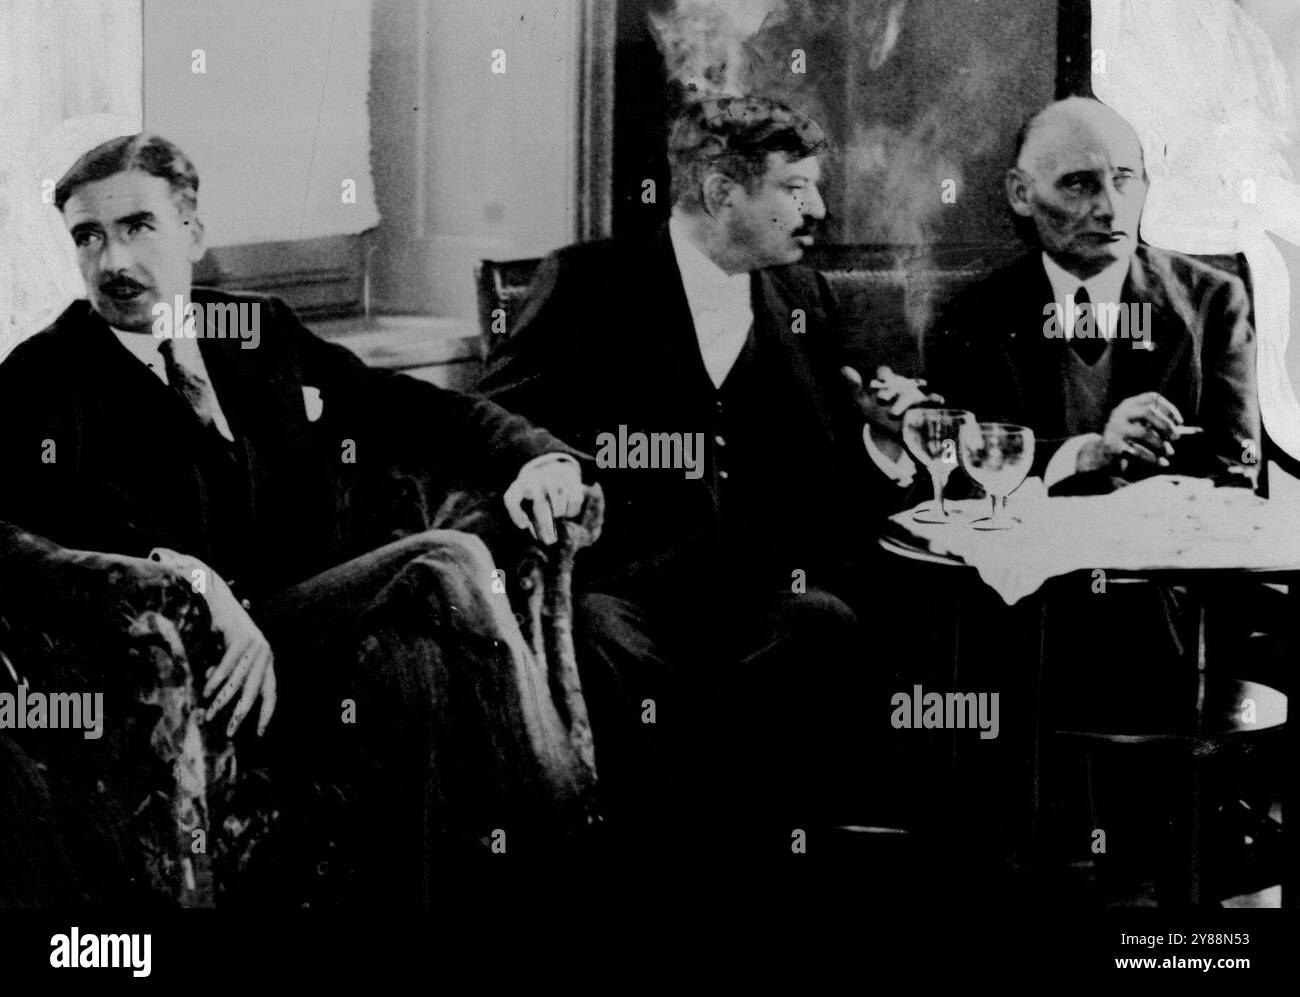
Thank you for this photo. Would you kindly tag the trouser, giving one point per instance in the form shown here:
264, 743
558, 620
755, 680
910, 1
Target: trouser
732, 717
412, 719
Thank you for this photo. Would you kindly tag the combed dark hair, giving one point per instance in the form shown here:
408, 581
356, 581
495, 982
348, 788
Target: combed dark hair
146, 152
734, 135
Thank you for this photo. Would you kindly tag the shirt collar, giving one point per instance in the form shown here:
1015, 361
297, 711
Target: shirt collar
706, 283
144, 347
1105, 286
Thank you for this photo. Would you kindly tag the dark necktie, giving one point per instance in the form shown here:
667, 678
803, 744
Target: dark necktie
1087, 342
190, 385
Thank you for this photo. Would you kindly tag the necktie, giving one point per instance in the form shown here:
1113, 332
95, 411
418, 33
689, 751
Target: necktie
1087, 341
194, 388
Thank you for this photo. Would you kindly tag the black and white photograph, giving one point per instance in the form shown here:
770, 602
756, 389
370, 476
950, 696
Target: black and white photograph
821, 458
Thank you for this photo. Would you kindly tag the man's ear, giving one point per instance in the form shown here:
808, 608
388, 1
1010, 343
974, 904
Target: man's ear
1017, 185
198, 241
717, 190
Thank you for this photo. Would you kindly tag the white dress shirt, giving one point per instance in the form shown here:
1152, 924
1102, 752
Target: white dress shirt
1103, 288
719, 302
144, 346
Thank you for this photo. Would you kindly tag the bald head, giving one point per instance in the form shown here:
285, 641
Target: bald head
1080, 177
1072, 122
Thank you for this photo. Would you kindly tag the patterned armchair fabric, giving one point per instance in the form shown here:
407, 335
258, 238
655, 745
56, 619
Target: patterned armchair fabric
193, 822
122, 627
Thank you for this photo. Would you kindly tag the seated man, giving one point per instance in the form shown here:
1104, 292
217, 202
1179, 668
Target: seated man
285, 479
1124, 359
1154, 374
701, 368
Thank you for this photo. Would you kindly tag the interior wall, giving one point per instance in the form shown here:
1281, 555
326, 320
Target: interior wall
495, 156
911, 93
466, 162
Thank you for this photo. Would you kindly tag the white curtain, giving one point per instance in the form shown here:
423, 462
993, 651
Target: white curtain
70, 78
1210, 99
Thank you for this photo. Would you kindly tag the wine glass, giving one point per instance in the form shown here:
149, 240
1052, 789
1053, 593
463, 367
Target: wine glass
931, 434
997, 455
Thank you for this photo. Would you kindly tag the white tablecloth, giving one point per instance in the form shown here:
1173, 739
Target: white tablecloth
1162, 523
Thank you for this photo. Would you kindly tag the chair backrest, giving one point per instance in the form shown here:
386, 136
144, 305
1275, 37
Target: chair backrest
502, 290
888, 295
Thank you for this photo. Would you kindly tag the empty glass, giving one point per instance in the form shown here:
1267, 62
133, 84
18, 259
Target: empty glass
997, 455
931, 434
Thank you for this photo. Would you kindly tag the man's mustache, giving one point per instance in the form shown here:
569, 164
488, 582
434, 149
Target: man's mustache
121, 285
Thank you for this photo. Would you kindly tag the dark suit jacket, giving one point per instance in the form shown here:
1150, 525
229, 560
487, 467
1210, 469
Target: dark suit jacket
126, 449
988, 353
606, 338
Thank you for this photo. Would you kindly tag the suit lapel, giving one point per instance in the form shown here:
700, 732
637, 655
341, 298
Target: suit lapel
111, 365
1033, 358
260, 392
256, 392
770, 307
293, 494
682, 362
123, 405
1146, 366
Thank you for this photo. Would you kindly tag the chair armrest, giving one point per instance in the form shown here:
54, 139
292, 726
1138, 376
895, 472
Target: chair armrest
540, 586
75, 620
545, 576
57, 596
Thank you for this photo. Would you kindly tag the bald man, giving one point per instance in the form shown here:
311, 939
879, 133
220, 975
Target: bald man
1164, 383
1125, 360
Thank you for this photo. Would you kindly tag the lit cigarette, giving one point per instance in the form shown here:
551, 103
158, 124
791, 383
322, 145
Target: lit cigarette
1187, 430
879, 385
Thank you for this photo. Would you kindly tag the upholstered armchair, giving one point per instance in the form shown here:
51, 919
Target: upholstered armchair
137, 632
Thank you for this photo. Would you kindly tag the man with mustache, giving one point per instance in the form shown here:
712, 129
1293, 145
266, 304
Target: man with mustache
279, 473
725, 598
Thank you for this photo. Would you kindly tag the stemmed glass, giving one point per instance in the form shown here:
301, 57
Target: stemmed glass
997, 455
931, 434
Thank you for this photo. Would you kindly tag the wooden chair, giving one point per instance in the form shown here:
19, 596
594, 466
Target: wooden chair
502, 292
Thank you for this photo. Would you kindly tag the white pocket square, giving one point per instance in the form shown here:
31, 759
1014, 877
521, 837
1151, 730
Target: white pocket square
311, 400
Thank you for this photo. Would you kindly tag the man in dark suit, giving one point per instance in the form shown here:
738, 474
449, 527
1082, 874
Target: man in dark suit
280, 474
1158, 342
1127, 361
733, 567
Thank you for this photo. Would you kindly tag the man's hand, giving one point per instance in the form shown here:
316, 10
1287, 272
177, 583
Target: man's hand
1141, 427
884, 401
546, 490
887, 397
247, 666
247, 669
